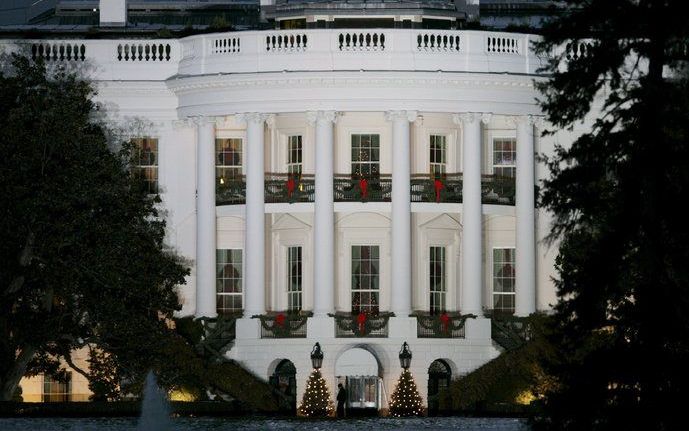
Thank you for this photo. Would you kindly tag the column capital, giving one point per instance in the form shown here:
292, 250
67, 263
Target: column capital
471, 117
526, 120
198, 121
401, 115
313, 116
252, 117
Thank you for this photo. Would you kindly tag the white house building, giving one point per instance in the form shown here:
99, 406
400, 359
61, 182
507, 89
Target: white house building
355, 187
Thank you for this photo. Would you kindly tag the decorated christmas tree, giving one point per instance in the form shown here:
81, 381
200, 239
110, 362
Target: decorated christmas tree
405, 400
316, 401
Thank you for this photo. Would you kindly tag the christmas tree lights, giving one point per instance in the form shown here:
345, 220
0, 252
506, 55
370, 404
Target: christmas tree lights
316, 401
405, 400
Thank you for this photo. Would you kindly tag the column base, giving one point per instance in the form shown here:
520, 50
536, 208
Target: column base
402, 327
248, 328
320, 327
478, 329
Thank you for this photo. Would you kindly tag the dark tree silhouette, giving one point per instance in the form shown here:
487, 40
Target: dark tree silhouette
622, 317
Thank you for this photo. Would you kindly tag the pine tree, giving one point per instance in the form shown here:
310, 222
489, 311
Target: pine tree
405, 400
316, 401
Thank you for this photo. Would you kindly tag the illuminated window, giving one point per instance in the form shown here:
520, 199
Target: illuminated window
365, 279
365, 155
55, 391
145, 162
229, 281
228, 160
503, 280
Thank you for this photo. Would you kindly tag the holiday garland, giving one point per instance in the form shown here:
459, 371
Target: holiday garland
443, 325
284, 325
362, 324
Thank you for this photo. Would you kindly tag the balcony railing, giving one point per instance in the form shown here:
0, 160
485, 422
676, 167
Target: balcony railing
289, 188
497, 190
231, 191
349, 188
361, 325
443, 325
283, 325
286, 188
510, 332
445, 188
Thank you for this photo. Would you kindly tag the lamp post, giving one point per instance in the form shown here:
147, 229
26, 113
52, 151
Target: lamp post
317, 356
405, 356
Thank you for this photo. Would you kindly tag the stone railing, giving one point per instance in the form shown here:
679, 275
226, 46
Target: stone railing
441, 325
348, 188
444, 188
283, 325
298, 50
289, 188
361, 325
510, 332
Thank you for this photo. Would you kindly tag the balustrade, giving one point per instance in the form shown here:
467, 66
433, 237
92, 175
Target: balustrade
283, 325
231, 191
369, 41
289, 188
446, 188
350, 188
441, 325
144, 51
502, 44
58, 51
437, 42
287, 42
225, 45
497, 190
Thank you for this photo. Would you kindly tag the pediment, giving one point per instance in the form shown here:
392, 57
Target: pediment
442, 221
288, 221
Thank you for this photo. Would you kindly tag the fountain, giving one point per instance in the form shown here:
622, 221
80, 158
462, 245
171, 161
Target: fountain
155, 410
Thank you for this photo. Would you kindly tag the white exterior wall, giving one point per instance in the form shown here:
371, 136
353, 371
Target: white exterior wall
208, 77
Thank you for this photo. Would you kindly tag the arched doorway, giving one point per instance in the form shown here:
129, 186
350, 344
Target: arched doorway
357, 369
439, 377
285, 381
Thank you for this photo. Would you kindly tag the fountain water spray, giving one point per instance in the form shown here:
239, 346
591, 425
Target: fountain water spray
155, 410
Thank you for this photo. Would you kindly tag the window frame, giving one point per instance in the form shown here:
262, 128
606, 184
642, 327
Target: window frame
293, 294
295, 167
443, 152
371, 148
56, 396
373, 305
142, 170
493, 293
221, 293
513, 166
442, 293
221, 169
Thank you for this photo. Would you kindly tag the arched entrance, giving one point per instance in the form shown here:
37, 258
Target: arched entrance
439, 377
357, 369
285, 381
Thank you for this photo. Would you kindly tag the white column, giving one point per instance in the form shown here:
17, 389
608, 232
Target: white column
254, 240
525, 260
400, 302
472, 226
205, 218
324, 216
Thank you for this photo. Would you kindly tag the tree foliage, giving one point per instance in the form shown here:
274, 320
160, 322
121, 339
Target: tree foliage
622, 317
84, 260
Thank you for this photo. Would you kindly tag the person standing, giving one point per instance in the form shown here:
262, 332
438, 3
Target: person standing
341, 400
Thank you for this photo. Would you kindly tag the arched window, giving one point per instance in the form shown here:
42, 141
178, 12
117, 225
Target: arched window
439, 378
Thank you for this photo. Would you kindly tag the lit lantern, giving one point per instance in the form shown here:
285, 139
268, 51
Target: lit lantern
317, 356
405, 356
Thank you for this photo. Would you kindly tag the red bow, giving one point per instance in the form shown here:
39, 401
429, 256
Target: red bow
290, 186
363, 185
438, 187
361, 320
280, 320
445, 321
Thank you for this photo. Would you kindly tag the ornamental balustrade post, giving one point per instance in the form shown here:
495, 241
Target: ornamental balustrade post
254, 241
400, 302
205, 217
324, 214
525, 259
472, 226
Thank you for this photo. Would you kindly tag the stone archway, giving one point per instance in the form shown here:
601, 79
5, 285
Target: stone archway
439, 378
359, 371
284, 380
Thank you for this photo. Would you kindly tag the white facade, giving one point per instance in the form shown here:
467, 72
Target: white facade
468, 92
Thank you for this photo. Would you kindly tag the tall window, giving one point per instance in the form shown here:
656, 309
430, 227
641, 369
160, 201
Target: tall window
145, 162
229, 281
365, 155
437, 279
365, 279
228, 159
438, 155
55, 391
503, 280
294, 154
294, 278
504, 157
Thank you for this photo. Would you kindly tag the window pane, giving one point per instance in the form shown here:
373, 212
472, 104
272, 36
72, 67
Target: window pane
229, 280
